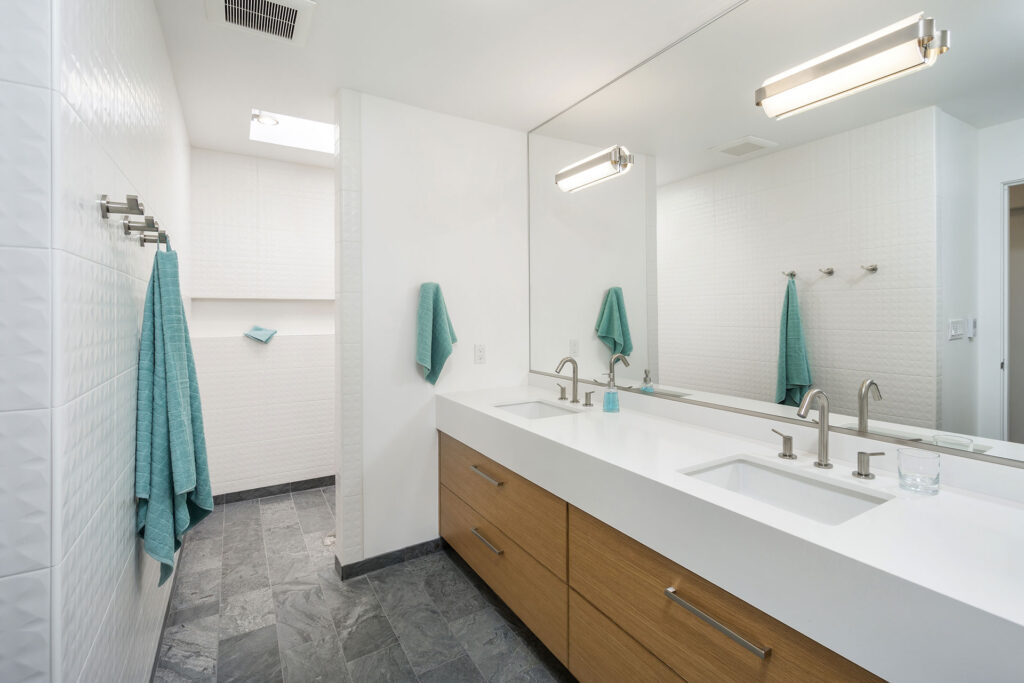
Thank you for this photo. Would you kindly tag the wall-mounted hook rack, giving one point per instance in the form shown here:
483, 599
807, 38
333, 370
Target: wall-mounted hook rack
873, 268
130, 205
147, 224
159, 238
828, 272
789, 273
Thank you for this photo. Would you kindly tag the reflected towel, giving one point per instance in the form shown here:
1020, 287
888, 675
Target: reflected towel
612, 326
794, 378
260, 334
172, 481
434, 332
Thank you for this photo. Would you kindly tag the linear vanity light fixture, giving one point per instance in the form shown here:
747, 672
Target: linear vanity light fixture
606, 164
889, 53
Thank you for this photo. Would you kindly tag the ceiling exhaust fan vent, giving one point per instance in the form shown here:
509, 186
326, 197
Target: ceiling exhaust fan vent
743, 146
285, 20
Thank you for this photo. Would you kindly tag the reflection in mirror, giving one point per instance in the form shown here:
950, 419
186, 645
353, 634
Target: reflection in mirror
891, 217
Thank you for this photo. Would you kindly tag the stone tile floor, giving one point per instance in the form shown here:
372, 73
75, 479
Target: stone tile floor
257, 599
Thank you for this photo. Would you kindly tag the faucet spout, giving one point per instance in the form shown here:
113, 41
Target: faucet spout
868, 388
611, 367
575, 376
805, 407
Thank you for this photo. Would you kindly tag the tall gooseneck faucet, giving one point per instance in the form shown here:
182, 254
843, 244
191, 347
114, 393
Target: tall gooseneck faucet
575, 376
868, 388
611, 367
805, 407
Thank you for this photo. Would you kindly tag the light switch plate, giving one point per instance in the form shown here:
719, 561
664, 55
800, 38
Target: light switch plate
957, 327
479, 354
574, 347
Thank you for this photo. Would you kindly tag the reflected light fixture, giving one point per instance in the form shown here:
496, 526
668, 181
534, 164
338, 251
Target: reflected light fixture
264, 118
606, 164
894, 51
292, 131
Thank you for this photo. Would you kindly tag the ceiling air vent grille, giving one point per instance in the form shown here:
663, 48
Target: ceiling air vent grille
262, 15
743, 146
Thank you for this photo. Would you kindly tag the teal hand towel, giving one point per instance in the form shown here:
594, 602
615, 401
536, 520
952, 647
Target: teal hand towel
172, 480
794, 378
612, 327
434, 332
260, 334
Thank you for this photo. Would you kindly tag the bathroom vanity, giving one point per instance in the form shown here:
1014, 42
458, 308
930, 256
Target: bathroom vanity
595, 530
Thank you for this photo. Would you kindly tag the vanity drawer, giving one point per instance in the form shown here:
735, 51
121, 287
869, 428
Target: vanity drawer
601, 651
532, 517
627, 581
535, 594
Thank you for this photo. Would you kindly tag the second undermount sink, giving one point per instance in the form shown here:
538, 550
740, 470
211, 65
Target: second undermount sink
809, 497
534, 410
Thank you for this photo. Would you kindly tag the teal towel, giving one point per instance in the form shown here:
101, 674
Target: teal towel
434, 332
794, 372
172, 480
612, 327
260, 334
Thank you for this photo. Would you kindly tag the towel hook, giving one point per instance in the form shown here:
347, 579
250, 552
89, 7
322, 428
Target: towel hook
873, 268
829, 272
147, 224
130, 205
789, 273
159, 238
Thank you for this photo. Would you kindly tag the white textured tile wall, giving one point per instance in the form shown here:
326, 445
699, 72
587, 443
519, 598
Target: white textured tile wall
268, 409
263, 228
866, 196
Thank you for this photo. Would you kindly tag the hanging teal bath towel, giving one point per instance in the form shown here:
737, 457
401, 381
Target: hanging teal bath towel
172, 480
612, 327
434, 332
794, 372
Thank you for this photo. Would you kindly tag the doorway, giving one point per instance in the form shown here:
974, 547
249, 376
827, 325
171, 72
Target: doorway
1015, 314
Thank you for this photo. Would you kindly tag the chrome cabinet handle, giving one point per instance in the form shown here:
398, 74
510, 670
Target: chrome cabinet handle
495, 482
671, 593
487, 543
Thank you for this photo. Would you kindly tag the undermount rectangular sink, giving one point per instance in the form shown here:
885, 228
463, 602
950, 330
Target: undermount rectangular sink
812, 498
534, 410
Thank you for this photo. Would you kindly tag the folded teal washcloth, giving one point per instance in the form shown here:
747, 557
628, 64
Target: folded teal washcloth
612, 327
260, 334
794, 378
434, 332
172, 479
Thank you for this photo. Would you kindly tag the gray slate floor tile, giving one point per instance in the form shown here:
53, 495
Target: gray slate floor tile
320, 662
251, 657
246, 612
358, 617
287, 556
389, 665
461, 670
192, 589
189, 650
278, 511
302, 614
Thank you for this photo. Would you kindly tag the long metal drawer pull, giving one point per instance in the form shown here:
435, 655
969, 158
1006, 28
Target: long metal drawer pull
487, 543
479, 471
671, 593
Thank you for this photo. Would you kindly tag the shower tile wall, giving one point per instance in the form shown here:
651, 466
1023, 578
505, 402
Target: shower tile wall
98, 115
860, 197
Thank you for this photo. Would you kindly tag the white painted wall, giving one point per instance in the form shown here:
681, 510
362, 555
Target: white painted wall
436, 198
581, 244
82, 115
1000, 161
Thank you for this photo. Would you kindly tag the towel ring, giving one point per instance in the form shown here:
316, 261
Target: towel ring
789, 273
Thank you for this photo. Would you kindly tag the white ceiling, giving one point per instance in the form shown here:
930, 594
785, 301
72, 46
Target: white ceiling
700, 93
513, 63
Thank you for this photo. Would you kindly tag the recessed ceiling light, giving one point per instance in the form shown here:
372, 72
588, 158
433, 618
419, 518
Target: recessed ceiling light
292, 131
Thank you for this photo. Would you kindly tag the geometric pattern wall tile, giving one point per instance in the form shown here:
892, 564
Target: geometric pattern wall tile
24, 491
25, 43
24, 328
24, 160
25, 627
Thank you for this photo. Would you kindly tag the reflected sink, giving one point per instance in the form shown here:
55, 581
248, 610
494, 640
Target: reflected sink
534, 410
809, 497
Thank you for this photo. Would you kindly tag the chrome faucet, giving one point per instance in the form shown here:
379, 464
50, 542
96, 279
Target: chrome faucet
868, 388
805, 407
575, 376
611, 367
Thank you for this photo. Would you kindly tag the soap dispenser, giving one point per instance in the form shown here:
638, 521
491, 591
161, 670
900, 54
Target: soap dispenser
611, 396
648, 385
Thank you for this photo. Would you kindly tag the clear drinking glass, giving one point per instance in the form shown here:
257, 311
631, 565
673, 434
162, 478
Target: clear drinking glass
952, 441
919, 470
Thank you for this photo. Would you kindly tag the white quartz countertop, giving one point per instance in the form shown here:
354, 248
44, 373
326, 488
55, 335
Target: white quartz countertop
917, 588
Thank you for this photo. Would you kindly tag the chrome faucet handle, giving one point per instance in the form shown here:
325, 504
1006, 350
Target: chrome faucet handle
561, 392
863, 470
787, 446
588, 399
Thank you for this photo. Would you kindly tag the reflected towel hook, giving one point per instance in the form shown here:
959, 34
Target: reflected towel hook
789, 273
829, 272
873, 268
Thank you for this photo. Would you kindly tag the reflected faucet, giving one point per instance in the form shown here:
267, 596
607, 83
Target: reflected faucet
611, 367
575, 376
805, 407
868, 387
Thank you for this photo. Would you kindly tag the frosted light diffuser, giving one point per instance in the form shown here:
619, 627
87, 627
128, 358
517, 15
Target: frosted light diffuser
291, 131
606, 164
892, 52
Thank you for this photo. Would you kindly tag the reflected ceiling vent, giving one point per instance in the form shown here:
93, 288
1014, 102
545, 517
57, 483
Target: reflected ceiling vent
741, 147
285, 20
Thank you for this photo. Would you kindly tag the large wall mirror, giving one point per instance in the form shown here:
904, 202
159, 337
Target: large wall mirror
889, 222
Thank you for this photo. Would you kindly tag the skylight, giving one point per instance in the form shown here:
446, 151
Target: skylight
291, 131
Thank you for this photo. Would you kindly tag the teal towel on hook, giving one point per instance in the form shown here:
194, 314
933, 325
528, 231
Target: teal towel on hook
172, 479
612, 326
434, 332
260, 334
794, 373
